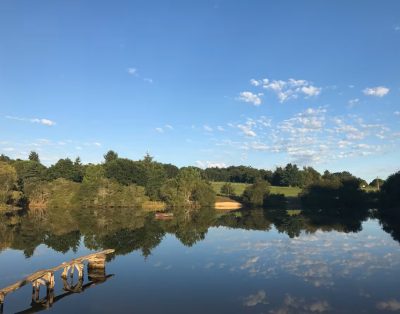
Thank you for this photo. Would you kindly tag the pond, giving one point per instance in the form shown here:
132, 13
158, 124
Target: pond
204, 262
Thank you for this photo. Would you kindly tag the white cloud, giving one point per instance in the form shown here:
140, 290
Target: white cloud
311, 90
210, 164
207, 128
396, 113
148, 80
132, 71
397, 28
254, 299
353, 102
313, 137
378, 91
164, 129
220, 128
255, 82
249, 97
42, 121
290, 89
246, 129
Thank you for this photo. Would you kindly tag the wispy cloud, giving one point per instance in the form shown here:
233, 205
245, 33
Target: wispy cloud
246, 129
286, 90
165, 128
132, 71
42, 121
378, 91
249, 97
353, 102
207, 128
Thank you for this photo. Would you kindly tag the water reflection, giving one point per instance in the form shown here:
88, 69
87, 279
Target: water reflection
127, 230
269, 261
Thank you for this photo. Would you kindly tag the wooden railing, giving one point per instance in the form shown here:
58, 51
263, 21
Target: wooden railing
96, 273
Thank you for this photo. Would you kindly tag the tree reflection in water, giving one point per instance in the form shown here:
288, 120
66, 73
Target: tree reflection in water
128, 230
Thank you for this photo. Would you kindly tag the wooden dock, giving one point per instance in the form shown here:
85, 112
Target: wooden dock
96, 271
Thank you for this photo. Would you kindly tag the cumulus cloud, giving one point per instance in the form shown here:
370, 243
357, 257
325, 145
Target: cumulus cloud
41, 121
44, 122
249, 97
312, 136
159, 130
378, 91
254, 299
311, 90
290, 89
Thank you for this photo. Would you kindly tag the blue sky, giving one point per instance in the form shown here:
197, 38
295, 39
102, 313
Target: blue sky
205, 83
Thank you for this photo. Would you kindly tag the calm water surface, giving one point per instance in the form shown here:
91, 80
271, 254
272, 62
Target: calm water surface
245, 262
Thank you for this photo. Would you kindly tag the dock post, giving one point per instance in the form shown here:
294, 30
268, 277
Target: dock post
96, 268
49, 278
2, 296
64, 274
79, 268
35, 290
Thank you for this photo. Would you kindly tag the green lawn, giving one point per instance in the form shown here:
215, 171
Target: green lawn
239, 188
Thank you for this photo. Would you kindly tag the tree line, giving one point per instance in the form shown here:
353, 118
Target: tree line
290, 175
117, 182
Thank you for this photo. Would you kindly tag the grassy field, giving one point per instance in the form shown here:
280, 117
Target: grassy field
239, 188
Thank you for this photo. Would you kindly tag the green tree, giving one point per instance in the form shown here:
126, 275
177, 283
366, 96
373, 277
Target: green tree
291, 176
29, 170
309, 175
154, 176
34, 156
110, 156
390, 192
188, 189
126, 171
8, 180
65, 168
255, 194
93, 174
4, 158
376, 183
227, 189
277, 177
